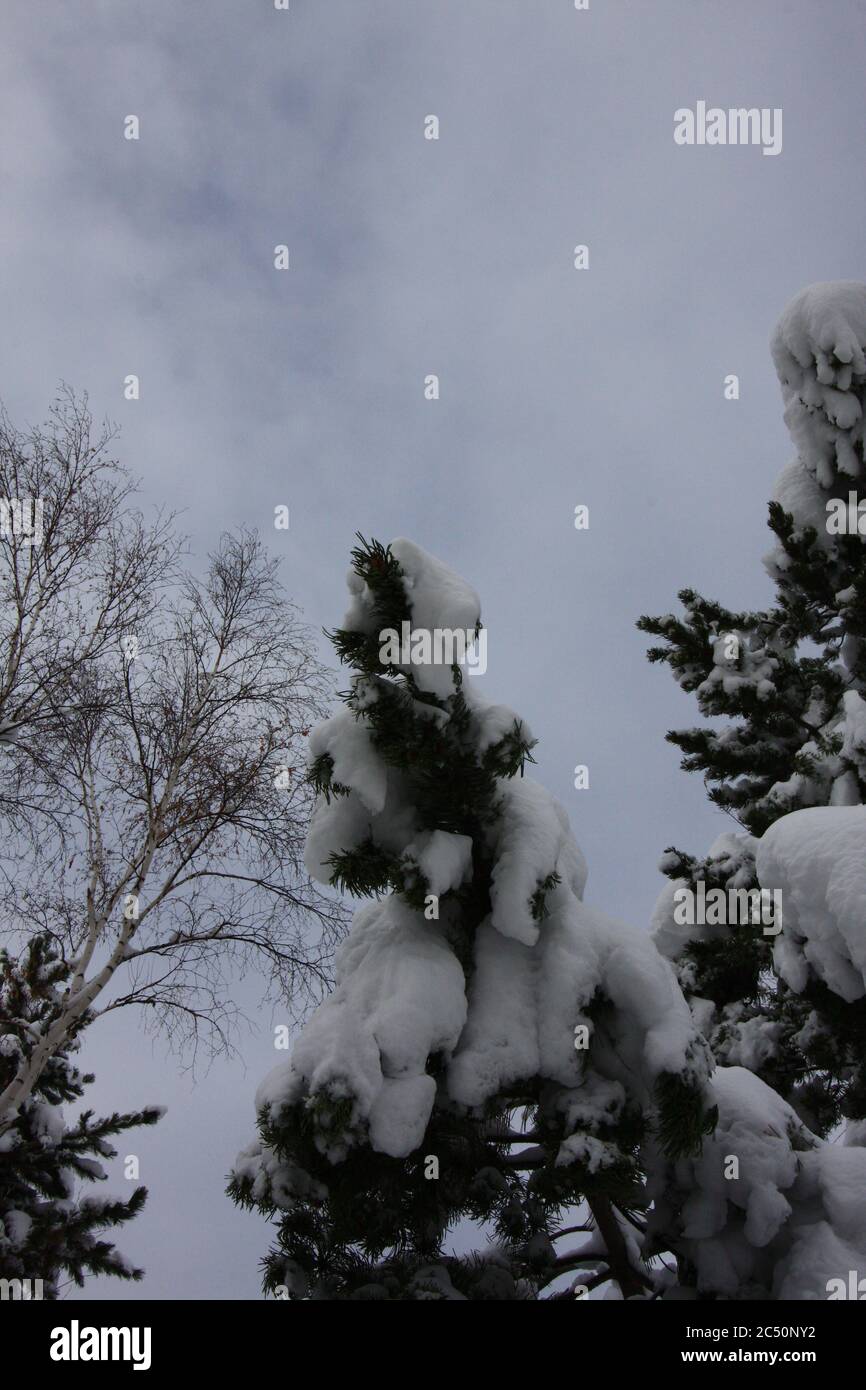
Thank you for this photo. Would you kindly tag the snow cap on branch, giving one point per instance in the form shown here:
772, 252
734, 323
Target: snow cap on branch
819, 349
789, 1219
438, 599
817, 857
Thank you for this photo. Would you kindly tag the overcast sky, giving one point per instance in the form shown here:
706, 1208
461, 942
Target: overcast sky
409, 257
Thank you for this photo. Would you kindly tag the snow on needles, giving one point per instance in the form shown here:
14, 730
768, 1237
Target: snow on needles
818, 349
817, 857
787, 1220
400, 997
438, 599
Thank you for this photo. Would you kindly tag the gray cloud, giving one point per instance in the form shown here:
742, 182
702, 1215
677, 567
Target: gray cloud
409, 257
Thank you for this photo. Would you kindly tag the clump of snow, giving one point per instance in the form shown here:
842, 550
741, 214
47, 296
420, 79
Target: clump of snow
400, 997
438, 598
818, 349
754, 1128
670, 936
93, 1168
750, 668
797, 491
275, 1178
753, 1041
346, 740
494, 722
432, 1283
731, 859
817, 858
344, 822
443, 859
500, 1041
116, 1260
766, 1209
653, 1031
47, 1122
855, 1134
16, 1226
822, 1252
340, 824
834, 777
595, 1154
533, 841
852, 727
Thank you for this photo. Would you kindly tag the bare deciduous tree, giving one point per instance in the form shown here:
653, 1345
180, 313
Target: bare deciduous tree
154, 796
67, 597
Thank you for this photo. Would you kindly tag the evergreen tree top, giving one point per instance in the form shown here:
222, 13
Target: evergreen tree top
47, 1231
786, 690
477, 987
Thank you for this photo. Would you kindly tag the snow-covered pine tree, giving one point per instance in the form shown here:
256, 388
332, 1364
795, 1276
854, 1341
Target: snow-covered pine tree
496, 1054
788, 684
47, 1231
